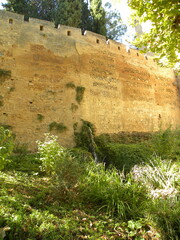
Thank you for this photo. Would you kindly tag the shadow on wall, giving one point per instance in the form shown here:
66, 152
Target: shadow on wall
177, 84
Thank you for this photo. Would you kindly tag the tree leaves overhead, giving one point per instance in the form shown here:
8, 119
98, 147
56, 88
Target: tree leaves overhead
164, 37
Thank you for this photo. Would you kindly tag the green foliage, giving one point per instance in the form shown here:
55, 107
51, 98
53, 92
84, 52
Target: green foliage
98, 14
50, 152
160, 177
83, 137
165, 213
40, 117
59, 127
123, 137
42, 9
163, 38
6, 146
79, 93
69, 13
111, 191
4, 74
70, 85
125, 156
74, 107
164, 143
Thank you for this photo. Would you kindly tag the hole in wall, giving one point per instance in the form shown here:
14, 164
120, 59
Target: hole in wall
119, 48
26, 18
10, 21
68, 33
41, 28
31, 102
159, 116
97, 41
83, 31
5, 114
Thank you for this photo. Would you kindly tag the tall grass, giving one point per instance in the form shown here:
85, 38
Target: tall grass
110, 190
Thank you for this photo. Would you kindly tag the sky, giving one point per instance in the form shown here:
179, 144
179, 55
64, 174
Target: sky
2, 1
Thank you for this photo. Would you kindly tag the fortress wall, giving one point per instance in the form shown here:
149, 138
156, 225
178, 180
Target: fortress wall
123, 91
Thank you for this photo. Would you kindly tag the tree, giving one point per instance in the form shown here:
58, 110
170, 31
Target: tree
98, 14
86, 18
114, 25
42, 9
69, 12
163, 38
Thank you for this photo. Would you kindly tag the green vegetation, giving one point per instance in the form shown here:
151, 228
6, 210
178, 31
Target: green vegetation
70, 85
59, 127
79, 93
163, 38
61, 193
40, 117
6, 146
5, 73
87, 15
74, 107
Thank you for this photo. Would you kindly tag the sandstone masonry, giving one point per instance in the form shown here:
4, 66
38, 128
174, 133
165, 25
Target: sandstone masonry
59, 76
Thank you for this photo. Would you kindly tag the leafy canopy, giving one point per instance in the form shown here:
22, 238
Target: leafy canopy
163, 38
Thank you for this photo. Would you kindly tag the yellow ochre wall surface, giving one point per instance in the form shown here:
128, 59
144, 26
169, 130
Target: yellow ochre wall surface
123, 90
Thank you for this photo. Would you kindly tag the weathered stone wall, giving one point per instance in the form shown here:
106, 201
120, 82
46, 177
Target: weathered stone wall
123, 90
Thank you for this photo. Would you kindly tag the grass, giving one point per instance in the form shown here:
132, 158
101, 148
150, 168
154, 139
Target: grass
61, 193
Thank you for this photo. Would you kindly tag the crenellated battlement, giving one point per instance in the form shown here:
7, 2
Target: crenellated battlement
51, 78
14, 20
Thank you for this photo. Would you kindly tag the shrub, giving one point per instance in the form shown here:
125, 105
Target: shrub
6, 146
49, 151
125, 156
63, 163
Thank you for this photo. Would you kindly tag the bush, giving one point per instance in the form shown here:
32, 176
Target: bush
6, 146
125, 156
65, 164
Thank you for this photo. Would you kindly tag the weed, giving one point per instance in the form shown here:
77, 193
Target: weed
70, 85
40, 117
79, 93
3, 75
11, 89
59, 127
74, 107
